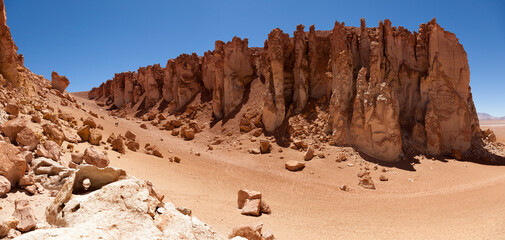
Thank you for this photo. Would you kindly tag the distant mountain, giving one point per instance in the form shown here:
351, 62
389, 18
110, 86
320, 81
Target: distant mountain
485, 116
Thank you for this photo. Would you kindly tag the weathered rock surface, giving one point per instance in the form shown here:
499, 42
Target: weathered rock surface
388, 90
87, 216
58, 82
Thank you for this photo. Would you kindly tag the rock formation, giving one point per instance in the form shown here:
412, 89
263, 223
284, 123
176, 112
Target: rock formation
58, 82
8, 51
388, 91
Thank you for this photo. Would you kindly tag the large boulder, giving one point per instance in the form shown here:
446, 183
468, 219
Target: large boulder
12, 166
95, 137
93, 157
12, 127
85, 216
58, 82
54, 133
27, 137
49, 149
244, 195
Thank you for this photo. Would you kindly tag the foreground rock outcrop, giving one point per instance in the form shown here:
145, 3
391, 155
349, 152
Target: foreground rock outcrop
388, 91
101, 214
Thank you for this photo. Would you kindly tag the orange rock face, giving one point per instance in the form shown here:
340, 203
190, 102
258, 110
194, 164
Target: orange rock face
388, 90
8, 51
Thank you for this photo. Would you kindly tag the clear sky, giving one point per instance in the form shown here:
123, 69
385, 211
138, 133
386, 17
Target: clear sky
89, 41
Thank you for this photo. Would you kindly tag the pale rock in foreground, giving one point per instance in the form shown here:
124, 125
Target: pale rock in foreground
102, 214
24, 213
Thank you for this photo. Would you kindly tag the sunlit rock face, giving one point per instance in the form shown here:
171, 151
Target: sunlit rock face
388, 90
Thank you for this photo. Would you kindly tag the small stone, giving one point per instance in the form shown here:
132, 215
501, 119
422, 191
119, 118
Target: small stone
309, 154
383, 178
293, 165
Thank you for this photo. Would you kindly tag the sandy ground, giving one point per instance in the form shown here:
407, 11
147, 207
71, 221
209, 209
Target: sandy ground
431, 200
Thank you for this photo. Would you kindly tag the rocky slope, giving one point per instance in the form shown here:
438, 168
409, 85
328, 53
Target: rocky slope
385, 90
41, 167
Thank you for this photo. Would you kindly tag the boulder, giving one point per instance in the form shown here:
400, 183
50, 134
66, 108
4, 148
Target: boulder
6, 225
252, 207
84, 132
244, 195
247, 232
293, 165
309, 154
24, 213
70, 135
131, 136
101, 214
27, 137
49, 149
5, 185
95, 137
47, 166
58, 82
93, 157
265, 146
77, 158
118, 145
133, 146
12, 109
12, 166
12, 127
189, 134
89, 122
54, 133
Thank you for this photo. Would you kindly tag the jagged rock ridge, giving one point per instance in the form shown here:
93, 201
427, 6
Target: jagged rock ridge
390, 91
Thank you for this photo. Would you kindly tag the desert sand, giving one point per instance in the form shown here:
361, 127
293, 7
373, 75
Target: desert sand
430, 199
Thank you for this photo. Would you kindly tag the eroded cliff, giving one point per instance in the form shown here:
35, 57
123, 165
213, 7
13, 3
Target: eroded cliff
388, 91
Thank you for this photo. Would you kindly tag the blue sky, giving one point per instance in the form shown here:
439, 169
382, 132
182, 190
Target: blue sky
89, 41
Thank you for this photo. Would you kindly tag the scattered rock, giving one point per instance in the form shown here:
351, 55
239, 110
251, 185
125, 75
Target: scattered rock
265, 146
118, 145
84, 132
89, 122
244, 195
77, 158
12, 109
309, 154
129, 135
383, 178
24, 213
12, 127
366, 181
6, 225
12, 166
95, 137
133, 146
54, 133
5, 185
93, 157
252, 207
27, 137
254, 151
293, 165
